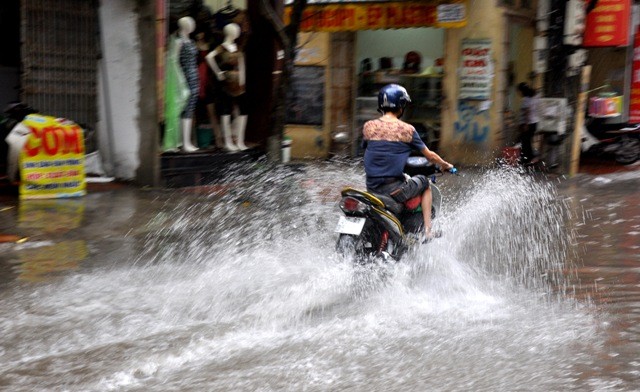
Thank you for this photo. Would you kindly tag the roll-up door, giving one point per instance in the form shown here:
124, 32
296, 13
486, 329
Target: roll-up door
60, 57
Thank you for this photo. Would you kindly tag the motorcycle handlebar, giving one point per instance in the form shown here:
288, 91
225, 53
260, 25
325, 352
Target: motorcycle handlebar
453, 170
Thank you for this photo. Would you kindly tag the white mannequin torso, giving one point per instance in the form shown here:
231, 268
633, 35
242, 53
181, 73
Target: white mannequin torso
232, 32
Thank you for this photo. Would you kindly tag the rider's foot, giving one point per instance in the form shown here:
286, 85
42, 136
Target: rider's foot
432, 235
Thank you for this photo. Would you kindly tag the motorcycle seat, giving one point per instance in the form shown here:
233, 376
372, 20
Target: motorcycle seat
389, 203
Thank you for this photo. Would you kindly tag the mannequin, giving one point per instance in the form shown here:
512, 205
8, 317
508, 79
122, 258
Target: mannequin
188, 54
227, 63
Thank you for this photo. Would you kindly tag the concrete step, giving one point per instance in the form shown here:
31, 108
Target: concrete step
203, 167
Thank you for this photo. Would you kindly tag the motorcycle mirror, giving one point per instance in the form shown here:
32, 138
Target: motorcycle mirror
341, 137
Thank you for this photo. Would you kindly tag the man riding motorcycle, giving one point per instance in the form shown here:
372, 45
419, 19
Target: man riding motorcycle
388, 141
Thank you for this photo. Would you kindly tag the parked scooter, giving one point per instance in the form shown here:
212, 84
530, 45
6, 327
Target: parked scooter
620, 142
12, 115
375, 226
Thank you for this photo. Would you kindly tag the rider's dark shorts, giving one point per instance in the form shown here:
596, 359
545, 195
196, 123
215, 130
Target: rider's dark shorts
403, 191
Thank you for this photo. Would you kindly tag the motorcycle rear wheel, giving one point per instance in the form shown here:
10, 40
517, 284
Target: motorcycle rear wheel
351, 246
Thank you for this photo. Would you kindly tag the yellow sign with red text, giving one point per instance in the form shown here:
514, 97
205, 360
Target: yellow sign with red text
393, 15
52, 159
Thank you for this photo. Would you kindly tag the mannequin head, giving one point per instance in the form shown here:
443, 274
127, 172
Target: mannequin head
186, 25
231, 32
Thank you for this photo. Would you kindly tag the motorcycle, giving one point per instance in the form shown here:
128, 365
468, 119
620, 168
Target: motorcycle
618, 141
376, 226
11, 116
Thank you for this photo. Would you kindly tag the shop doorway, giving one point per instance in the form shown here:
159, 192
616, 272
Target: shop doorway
9, 69
410, 57
10, 49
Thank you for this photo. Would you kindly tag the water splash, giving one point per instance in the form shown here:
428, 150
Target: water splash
273, 243
514, 226
241, 289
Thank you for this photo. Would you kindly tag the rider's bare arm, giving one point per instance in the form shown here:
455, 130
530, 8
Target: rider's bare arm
435, 158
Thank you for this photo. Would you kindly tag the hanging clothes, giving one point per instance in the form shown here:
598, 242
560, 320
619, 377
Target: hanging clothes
225, 16
207, 87
176, 94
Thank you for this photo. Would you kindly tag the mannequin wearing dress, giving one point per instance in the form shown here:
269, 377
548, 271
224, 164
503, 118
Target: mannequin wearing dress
227, 63
188, 54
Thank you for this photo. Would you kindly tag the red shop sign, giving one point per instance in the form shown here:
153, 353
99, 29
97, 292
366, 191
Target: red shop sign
608, 24
634, 101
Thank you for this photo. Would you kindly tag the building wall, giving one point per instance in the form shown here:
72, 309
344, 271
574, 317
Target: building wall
468, 135
519, 67
342, 86
118, 90
313, 141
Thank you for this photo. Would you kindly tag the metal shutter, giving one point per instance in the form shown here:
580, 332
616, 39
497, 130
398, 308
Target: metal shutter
60, 57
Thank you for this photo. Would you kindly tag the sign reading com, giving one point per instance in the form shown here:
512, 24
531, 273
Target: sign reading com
334, 17
52, 159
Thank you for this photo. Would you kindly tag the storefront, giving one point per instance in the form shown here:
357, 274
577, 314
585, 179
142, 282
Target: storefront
610, 40
49, 61
472, 57
411, 57
357, 48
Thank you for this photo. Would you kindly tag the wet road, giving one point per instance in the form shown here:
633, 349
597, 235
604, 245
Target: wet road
535, 285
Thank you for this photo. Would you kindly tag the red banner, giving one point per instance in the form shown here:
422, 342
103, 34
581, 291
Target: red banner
392, 15
634, 101
608, 24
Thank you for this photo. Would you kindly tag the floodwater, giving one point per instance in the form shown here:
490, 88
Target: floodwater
535, 285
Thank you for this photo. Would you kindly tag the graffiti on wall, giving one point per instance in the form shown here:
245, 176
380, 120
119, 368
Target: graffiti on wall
473, 122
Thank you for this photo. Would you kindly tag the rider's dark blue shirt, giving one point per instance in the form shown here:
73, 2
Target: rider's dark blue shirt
388, 144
